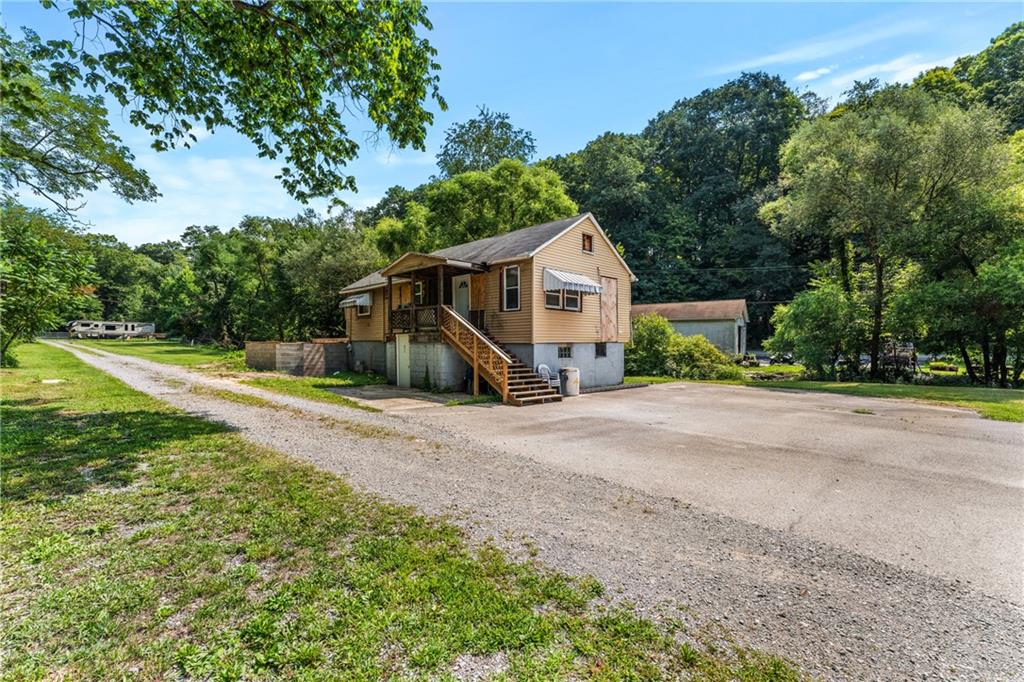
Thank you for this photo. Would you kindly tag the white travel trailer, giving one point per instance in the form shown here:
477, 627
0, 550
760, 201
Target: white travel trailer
99, 329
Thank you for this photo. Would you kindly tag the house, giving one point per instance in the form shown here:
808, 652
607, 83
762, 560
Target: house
99, 329
495, 310
723, 323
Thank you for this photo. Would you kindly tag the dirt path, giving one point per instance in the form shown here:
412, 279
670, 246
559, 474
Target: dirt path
838, 614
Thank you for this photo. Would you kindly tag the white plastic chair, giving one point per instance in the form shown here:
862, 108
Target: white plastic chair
552, 378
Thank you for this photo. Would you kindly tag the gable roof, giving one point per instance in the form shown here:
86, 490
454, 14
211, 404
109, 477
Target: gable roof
731, 309
512, 245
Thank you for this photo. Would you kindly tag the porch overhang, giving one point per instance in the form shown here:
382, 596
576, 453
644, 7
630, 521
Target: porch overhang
558, 280
420, 261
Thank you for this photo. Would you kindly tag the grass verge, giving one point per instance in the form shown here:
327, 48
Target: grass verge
474, 400
141, 542
171, 352
1002, 404
318, 388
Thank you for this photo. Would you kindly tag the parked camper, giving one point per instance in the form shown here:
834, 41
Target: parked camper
100, 329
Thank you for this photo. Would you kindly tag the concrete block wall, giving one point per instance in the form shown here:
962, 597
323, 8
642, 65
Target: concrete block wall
371, 354
261, 355
437, 362
594, 371
290, 357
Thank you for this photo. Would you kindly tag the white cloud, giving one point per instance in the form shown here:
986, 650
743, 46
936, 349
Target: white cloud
902, 69
813, 74
830, 44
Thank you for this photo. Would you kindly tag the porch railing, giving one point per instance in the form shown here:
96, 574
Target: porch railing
413, 319
476, 349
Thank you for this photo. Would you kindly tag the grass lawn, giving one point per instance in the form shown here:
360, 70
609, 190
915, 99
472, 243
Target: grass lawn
171, 352
316, 388
141, 542
1002, 404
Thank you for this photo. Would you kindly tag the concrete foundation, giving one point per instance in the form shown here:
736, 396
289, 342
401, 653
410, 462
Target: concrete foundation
594, 371
432, 364
368, 355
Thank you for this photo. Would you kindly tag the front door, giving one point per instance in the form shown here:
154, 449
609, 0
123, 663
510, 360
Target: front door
609, 309
402, 360
461, 289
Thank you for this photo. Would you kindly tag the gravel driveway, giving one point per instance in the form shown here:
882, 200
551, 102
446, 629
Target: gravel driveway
841, 614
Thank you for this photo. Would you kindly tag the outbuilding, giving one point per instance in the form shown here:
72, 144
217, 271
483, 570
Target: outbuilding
723, 323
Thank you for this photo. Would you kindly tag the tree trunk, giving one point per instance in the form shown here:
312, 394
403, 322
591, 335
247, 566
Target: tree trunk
876, 314
844, 266
999, 358
968, 365
986, 358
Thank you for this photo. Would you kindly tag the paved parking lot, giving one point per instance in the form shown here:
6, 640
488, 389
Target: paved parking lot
932, 489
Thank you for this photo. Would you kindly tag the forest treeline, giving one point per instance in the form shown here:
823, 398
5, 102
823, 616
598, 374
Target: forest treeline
845, 226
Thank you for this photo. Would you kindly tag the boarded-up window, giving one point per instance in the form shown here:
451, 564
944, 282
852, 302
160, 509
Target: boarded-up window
588, 243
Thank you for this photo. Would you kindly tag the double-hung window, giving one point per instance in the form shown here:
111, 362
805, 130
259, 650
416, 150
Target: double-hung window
510, 287
563, 300
571, 300
362, 311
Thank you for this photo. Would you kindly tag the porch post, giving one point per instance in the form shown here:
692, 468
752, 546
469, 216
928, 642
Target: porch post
476, 367
440, 292
387, 309
412, 302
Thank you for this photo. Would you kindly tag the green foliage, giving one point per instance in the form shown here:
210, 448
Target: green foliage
997, 74
56, 144
647, 352
282, 74
43, 272
482, 142
473, 205
656, 349
694, 357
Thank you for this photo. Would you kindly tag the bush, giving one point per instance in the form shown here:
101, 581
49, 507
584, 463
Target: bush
658, 350
694, 357
648, 351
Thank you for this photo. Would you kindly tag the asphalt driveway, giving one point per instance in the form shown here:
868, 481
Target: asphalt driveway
932, 489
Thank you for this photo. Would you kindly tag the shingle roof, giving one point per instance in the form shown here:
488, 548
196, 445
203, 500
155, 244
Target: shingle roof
509, 246
695, 310
374, 279
516, 244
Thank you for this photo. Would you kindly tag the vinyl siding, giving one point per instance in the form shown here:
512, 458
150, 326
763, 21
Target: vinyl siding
509, 326
566, 253
367, 328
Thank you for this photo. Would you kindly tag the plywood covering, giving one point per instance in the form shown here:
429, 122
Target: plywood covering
566, 253
609, 309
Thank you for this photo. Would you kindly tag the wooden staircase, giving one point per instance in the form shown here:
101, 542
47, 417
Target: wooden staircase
517, 383
525, 387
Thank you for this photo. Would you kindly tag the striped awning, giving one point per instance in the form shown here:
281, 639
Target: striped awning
358, 299
557, 280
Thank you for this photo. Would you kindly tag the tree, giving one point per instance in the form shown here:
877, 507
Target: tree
284, 74
997, 74
475, 205
481, 142
872, 174
56, 144
42, 272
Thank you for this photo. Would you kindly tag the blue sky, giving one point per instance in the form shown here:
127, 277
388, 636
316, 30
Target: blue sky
567, 72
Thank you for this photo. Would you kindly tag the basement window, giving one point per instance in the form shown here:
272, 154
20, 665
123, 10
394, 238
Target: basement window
564, 352
600, 350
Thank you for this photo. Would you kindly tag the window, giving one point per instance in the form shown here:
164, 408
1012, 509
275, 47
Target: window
419, 293
563, 300
362, 311
510, 287
600, 350
552, 299
564, 352
588, 243
571, 300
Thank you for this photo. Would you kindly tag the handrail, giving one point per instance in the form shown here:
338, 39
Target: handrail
476, 332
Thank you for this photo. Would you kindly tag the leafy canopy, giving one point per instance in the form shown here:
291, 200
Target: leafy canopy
287, 75
483, 141
56, 144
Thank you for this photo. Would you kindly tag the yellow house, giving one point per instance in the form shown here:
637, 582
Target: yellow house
510, 310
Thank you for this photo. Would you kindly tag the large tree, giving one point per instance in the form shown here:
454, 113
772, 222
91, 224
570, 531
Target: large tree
481, 142
997, 75
874, 173
43, 272
289, 76
57, 144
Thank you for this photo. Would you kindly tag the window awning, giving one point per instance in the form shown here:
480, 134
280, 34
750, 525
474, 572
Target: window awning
556, 280
358, 299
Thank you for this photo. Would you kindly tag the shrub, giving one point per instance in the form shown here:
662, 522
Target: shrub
694, 357
648, 351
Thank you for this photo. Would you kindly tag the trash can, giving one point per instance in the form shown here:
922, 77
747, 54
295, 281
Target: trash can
570, 381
